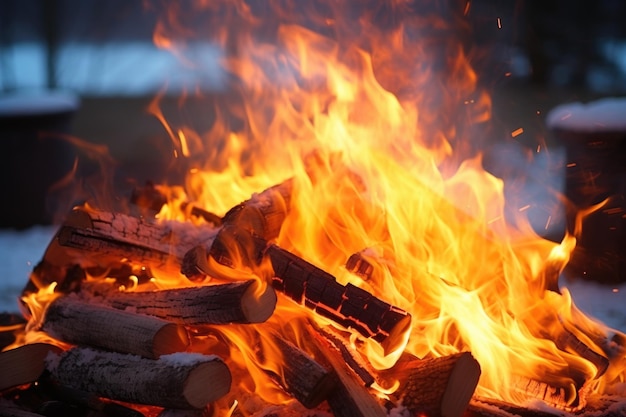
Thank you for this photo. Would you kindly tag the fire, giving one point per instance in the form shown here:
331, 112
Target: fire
369, 110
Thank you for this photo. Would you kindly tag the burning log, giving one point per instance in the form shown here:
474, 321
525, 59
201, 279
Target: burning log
264, 213
436, 387
24, 364
237, 302
80, 323
111, 237
180, 380
350, 398
303, 377
348, 305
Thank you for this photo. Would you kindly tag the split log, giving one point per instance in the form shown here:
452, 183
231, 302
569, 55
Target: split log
348, 305
81, 323
301, 376
179, 380
436, 387
24, 364
360, 266
111, 237
350, 398
237, 302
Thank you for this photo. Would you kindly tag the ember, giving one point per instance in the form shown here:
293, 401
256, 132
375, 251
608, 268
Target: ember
336, 247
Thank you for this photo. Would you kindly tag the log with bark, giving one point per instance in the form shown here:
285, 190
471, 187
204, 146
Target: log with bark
179, 380
350, 398
82, 323
302, 376
236, 302
436, 387
104, 238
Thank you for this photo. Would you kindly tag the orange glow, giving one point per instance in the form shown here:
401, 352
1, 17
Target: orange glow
370, 119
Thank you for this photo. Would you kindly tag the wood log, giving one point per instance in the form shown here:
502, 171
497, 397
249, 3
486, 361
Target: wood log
24, 364
80, 323
437, 387
564, 394
237, 302
302, 377
348, 305
350, 398
179, 380
264, 213
360, 266
111, 237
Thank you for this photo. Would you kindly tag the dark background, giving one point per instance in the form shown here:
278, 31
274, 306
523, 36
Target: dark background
530, 56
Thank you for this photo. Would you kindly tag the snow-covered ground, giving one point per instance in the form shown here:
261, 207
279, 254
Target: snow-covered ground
20, 251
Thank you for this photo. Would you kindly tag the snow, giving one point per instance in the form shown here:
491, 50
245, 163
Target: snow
21, 251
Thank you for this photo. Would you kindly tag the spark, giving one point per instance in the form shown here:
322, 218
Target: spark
548, 222
526, 207
517, 132
538, 148
567, 116
499, 23
467, 8
615, 290
571, 165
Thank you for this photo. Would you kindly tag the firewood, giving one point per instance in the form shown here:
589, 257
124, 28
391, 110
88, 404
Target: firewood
24, 364
437, 387
81, 323
237, 302
179, 380
348, 305
350, 398
264, 213
303, 377
352, 358
359, 265
110, 237
564, 394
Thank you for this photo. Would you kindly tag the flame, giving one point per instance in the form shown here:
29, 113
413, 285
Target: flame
371, 111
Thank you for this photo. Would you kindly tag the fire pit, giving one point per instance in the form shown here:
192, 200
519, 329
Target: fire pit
336, 248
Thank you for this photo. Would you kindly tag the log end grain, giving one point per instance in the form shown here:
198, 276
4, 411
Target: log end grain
214, 374
24, 364
258, 302
170, 338
461, 386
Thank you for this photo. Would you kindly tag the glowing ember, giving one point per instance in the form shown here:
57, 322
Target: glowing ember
367, 110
